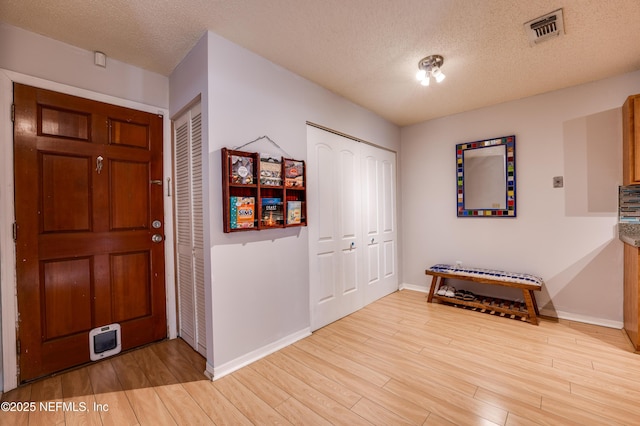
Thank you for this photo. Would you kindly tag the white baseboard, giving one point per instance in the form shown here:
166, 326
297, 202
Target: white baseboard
582, 318
220, 371
422, 289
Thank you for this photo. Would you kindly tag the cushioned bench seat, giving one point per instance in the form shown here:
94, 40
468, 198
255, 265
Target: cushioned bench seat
526, 282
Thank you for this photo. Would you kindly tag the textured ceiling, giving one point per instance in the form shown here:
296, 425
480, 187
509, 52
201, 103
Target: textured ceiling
364, 50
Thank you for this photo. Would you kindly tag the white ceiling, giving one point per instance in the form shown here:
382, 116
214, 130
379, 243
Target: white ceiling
364, 50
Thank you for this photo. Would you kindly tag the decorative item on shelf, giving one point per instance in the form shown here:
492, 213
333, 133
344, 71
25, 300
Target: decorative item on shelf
270, 170
243, 210
293, 173
272, 212
241, 169
294, 212
629, 204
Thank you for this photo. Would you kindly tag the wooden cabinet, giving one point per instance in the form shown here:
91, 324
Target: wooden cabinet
631, 140
262, 193
631, 294
631, 176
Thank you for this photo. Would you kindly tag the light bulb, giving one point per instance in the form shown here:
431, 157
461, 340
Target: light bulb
438, 75
425, 80
421, 75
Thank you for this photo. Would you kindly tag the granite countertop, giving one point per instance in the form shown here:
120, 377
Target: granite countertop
629, 233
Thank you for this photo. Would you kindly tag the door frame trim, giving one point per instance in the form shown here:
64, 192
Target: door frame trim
8, 287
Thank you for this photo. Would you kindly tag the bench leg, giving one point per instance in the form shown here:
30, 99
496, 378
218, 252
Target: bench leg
432, 290
532, 306
535, 303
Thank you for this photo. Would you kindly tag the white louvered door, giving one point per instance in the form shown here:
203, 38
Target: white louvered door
189, 229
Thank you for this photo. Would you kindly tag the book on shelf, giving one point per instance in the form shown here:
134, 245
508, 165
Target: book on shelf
272, 212
243, 212
270, 170
241, 169
294, 212
293, 173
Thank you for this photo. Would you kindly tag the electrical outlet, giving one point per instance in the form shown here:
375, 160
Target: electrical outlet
558, 182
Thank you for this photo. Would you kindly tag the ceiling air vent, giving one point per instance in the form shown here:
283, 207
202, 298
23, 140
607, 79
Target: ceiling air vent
545, 27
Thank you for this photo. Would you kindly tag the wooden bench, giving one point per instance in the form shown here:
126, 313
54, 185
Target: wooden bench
526, 282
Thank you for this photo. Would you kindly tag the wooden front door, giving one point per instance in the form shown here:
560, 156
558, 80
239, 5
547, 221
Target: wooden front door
88, 185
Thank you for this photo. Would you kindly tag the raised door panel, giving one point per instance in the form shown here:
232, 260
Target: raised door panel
325, 283
372, 196
66, 308
129, 134
349, 212
349, 193
389, 261
66, 193
325, 194
129, 195
388, 222
349, 267
62, 123
373, 262
388, 195
371, 216
130, 286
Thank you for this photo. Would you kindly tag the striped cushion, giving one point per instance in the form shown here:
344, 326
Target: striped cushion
493, 274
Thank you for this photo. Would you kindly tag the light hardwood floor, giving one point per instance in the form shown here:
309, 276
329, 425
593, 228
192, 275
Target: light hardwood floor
399, 361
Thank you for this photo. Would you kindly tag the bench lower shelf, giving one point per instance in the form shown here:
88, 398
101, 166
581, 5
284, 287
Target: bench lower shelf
490, 305
530, 312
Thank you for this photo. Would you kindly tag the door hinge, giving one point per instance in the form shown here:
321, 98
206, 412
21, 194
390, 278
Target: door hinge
15, 231
13, 112
18, 347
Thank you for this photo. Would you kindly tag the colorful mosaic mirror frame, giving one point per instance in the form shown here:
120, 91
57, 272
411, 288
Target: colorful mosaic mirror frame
510, 171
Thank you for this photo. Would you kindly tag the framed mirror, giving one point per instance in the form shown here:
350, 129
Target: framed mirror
486, 178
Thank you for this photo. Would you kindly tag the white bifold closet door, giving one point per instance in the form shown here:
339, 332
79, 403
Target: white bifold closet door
189, 229
351, 192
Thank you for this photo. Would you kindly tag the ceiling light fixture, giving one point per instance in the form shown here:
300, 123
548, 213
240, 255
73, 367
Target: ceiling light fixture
430, 67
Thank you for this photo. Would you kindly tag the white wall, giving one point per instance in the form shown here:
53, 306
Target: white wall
35, 60
38, 56
260, 280
568, 236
